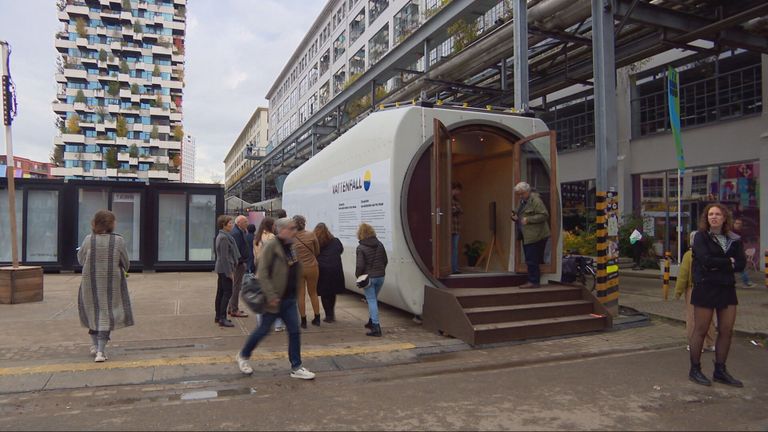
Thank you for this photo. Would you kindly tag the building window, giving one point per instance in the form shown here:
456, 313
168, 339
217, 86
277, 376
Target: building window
357, 26
699, 185
574, 122
339, 80
378, 46
406, 21
325, 62
324, 93
357, 63
653, 187
339, 46
375, 8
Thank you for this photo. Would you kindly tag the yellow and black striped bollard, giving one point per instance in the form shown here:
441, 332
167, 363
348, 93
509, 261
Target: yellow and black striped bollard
667, 265
766, 268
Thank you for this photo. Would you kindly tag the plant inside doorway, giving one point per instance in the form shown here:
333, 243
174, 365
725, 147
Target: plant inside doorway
473, 251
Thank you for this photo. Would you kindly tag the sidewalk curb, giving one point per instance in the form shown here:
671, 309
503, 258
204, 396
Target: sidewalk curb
657, 316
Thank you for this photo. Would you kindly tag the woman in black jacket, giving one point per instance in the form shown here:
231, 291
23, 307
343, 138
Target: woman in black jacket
718, 253
371, 261
331, 280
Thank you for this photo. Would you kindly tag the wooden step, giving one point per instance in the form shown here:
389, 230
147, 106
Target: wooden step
490, 280
492, 333
498, 314
489, 297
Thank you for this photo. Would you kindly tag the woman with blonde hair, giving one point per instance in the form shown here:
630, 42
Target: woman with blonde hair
718, 254
371, 261
103, 301
307, 249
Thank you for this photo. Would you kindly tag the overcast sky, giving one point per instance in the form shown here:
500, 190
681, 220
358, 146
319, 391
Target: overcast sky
234, 51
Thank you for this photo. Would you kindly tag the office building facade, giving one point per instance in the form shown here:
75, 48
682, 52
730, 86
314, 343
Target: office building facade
254, 134
120, 89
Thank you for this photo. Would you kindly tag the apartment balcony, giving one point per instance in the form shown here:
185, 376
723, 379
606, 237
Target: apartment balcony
63, 16
127, 16
123, 77
77, 10
60, 78
174, 84
62, 108
174, 176
110, 14
121, 141
129, 173
79, 106
123, 157
63, 44
103, 140
66, 172
156, 174
82, 42
99, 172
101, 31
177, 116
73, 138
159, 111
157, 49
125, 93
75, 73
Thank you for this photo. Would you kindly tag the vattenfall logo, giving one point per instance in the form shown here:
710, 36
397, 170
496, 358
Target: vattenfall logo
354, 184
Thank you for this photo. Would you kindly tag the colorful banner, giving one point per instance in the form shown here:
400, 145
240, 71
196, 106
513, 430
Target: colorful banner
673, 93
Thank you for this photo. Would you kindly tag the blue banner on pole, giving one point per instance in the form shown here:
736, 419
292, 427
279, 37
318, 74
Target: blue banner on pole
673, 93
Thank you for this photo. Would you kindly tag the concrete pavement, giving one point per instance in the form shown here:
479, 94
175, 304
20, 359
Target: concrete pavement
646, 295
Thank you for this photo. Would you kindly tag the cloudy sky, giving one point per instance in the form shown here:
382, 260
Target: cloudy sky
235, 49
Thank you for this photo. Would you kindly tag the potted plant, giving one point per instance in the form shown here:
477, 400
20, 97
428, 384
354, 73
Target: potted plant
473, 251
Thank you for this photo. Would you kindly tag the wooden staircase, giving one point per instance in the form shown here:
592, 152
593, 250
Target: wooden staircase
482, 310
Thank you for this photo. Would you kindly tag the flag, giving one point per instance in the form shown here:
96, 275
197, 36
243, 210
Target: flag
673, 93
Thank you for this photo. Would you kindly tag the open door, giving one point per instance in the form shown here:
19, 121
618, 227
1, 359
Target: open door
441, 201
536, 157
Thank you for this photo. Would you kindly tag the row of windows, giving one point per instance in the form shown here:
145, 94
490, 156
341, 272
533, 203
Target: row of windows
158, 59
92, 101
98, 85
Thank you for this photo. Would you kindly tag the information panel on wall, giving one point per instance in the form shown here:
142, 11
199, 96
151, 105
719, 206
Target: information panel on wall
345, 201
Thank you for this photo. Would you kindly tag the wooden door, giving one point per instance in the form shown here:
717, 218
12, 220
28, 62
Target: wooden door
441, 201
536, 163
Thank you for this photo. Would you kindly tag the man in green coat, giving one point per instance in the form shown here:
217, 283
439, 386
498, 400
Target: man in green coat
532, 222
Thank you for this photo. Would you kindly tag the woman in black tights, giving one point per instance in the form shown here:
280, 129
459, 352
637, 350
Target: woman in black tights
718, 254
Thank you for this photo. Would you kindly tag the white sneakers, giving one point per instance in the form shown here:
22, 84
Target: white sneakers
100, 357
302, 373
243, 365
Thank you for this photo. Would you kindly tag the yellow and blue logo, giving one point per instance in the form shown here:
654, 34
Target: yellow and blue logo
367, 180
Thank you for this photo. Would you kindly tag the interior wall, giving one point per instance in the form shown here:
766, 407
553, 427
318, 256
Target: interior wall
484, 182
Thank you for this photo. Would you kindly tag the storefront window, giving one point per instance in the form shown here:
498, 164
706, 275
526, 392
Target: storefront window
90, 201
5, 225
578, 205
127, 210
733, 185
43, 215
172, 227
202, 223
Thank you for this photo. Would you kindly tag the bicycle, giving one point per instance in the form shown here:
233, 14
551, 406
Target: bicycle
581, 270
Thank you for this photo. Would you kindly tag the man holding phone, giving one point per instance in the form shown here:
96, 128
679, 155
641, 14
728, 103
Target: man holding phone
531, 221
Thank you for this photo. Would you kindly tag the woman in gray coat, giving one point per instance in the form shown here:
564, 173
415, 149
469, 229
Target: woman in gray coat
227, 259
103, 301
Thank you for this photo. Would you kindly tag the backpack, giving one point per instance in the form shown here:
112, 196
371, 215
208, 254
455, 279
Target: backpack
251, 293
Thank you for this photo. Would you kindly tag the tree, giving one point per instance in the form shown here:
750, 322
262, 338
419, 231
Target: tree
463, 33
178, 132
134, 88
73, 124
111, 158
156, 71
155, 134
80, 28
113, 88
102, 113
124, 67
127, 5
176, 160
122, 127
57, 155
137, 27
102, 55
159, 100
80, 97
133, 151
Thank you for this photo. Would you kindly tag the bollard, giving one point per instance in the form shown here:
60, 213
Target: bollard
766, 268
667, 264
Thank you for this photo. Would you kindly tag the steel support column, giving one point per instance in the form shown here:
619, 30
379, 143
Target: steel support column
606, 146
520, 35
503, 72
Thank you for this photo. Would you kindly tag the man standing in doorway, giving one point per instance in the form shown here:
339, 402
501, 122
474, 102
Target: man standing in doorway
531, 221
239, 232
456, 213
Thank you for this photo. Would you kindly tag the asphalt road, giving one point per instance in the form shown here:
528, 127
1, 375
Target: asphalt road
468, 390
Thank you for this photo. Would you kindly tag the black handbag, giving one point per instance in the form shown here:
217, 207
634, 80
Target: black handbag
363, 281
251, 293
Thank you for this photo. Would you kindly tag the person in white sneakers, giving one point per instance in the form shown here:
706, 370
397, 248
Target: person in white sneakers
278, 272
103, 302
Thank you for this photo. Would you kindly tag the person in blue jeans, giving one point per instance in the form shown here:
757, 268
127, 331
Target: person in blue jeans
278, 273
456, 213
371, 261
